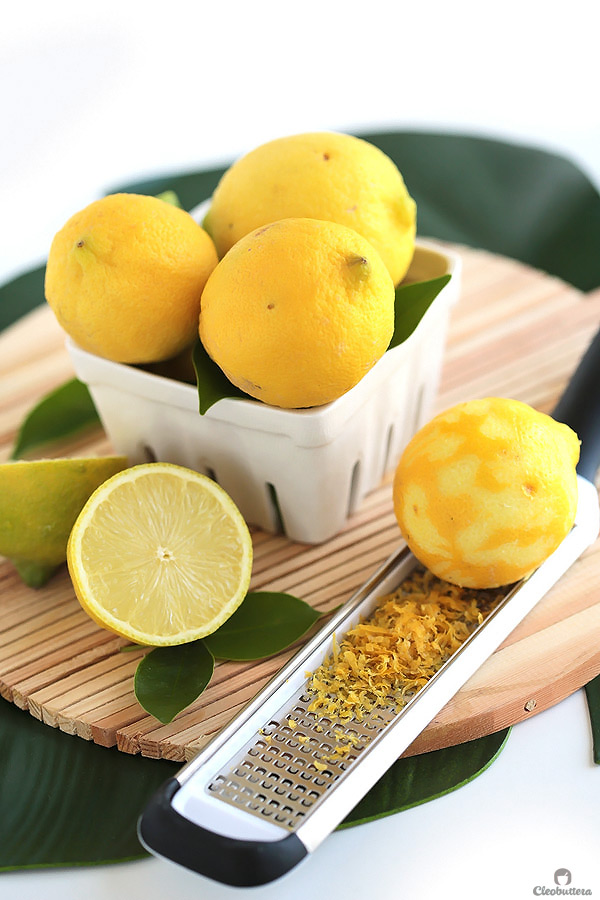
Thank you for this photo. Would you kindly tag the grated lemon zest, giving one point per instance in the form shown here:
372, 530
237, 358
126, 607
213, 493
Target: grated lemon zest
387, 658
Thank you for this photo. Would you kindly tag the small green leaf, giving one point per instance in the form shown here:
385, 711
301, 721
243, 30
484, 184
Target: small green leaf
265, 623
169, 197
60, 414
412, 302
592, 693
212, 383
413, 780
170, 678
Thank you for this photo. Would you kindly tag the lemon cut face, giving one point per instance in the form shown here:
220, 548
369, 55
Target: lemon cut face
160, 555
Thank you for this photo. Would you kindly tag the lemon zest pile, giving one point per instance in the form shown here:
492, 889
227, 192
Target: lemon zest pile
387, 658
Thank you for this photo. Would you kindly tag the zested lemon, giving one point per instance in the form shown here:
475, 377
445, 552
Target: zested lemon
486, 491
160, 555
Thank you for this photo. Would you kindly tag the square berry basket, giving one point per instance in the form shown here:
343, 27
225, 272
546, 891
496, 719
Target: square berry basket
301, 472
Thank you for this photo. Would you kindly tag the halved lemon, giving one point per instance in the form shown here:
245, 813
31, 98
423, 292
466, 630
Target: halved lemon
40, 500
160, 555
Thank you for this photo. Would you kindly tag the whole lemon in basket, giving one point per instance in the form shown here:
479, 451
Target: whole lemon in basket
486, 491
323, 175
124, 277
298, 312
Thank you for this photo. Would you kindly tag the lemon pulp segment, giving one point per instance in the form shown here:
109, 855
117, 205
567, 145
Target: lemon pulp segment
160, 554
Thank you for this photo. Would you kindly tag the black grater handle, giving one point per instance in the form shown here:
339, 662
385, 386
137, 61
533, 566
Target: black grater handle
240, 863
579, 407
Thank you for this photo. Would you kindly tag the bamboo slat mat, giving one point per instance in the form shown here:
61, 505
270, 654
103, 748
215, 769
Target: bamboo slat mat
515, 332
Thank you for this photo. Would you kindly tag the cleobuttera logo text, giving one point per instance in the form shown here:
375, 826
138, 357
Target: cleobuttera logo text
540, 891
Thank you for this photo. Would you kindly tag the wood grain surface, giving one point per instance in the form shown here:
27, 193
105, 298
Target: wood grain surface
515, 332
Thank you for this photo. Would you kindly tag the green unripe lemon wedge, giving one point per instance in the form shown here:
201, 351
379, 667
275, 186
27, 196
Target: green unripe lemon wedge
39, 503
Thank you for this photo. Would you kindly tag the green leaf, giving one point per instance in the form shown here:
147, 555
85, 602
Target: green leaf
592, 693
66, 801
60, 414
468, 190
212, 383
169, 197
21, 295
412, 302
170, 678
413, 780
265, 623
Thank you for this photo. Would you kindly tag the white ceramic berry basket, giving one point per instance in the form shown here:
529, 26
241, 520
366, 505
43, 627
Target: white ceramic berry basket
304, 471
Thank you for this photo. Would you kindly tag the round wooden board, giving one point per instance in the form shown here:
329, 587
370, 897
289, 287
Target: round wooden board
515, 332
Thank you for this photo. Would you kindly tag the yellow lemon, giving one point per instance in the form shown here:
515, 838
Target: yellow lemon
298, 312
39, 502
124, 277
486, 491
160, 555
323, 175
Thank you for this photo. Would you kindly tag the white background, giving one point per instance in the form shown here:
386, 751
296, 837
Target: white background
93, 95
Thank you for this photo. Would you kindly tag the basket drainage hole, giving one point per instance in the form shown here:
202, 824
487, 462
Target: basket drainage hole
353, 494
148, 453
388, 450
419, 409
277, 517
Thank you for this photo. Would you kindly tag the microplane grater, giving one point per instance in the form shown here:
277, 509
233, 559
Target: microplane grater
298, 754
264, 793
296, 759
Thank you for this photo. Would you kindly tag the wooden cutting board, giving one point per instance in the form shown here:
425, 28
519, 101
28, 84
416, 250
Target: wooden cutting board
515, 332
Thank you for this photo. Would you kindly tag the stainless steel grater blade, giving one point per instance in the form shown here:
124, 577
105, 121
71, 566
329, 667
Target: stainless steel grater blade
292, 764
266, 791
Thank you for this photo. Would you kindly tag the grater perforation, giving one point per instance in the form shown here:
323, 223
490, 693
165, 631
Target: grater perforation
295, 760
